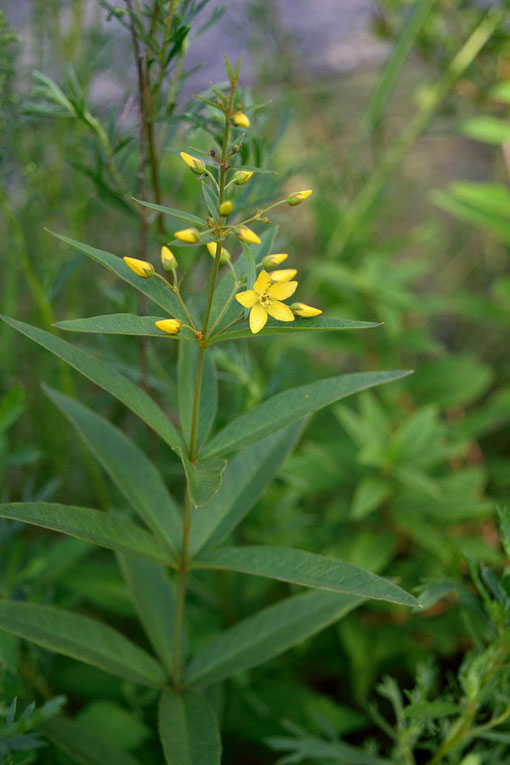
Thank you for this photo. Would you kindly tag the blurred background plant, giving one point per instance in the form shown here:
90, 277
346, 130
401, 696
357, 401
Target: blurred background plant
404, 135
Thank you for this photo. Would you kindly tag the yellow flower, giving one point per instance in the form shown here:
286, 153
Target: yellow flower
242, 176
224, 255
306, 311
168, 259
241, 120
297, 197
283, 275
245, 234
225, 208
170, 326
270, 261
189, 235
140, 267
265, 299
194, 164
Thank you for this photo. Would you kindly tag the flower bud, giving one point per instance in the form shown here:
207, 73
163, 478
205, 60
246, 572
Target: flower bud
170, 326
242, 176
284, 275
168, 259
271, 261
241, 120
245, 234
225, 208
194, 164
189, 235
264, 220
140, 267
297, 197
224, 254
306, 311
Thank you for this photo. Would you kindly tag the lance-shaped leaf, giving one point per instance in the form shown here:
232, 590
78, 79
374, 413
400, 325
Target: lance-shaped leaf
203, 478
152, 288
269, 633
290, 406
307, 569
186, 376
90, 525
81, 638
174, 213
122, 324
245, 478
107, 378
273, 327
128, 467
188, 729
85, 745
154, 600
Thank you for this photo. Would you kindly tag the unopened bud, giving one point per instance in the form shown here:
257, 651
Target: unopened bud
189, 235
225, 208
224, 254
235, 148
264, 220
241, 120
194, 164
140, 267
242, 176
284, 275
271, 261
297, 197
306, 311
168, 259
245, 234
170, 326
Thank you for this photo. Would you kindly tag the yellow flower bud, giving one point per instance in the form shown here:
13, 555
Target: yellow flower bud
241, 120
245, 234
225, 208
224, 255
271, 261
284, 275
194, 164
170, 326
297, 197
168, 259
189, 235
306, 311
140, 267
242, 176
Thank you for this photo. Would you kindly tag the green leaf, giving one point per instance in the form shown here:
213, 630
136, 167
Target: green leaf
152, 288
369, 494
251, 266
269, 633
107, 378
188, 729
128, 467
496, 225
487, 129
244, 480
305, 568
81, 638
203, 477
84, 745
501, 91
273, 327
292, 405
91, 526
186, 376
175, 213
211, 199
153, 596
122, 324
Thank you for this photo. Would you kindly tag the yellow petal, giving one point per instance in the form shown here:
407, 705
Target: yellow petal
306, 311
248, 298
262, 283
284, 275
258, 318
282, 290
280, 311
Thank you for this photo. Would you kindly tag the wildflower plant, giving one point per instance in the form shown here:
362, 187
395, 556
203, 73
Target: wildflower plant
225, 473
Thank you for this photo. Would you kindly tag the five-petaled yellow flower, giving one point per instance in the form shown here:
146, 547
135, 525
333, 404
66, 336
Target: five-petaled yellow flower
265, 299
